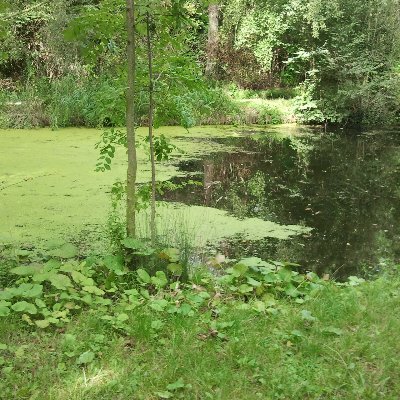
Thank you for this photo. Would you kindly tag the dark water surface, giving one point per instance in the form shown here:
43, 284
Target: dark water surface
344, 185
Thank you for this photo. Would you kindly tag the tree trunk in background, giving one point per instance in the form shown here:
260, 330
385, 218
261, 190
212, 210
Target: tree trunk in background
130, 122
151, 141
212, 43
208, 181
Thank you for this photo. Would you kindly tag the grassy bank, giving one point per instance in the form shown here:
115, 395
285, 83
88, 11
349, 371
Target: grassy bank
92, 103
215, 338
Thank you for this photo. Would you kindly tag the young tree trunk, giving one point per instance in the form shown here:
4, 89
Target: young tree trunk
213, 41
153, 231
130, 122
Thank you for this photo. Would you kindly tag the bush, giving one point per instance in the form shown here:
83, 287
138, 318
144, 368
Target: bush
267, 94
270, 115
100, 101
203, 106
22, 109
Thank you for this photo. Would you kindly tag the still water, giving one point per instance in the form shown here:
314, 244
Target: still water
344, 185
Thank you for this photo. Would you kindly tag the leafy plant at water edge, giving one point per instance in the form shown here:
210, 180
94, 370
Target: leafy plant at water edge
51, 293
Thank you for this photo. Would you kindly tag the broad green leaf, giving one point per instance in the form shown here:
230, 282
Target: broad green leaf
307, 316
122, 317
67, 250
270, 277
23, 253
175, 268
45, 276
253, 262
164, 395
60, 281
253, 282
44, 323
292, 291
195, 299
25, 270
40, 303
285, 274
87, 299
68, 268
245, 288
185, 309
332, 330
131, 243
115, 264
83, 280
179, 384
143, 276
132, 292
85, 358
94, 290
158, 305
52, 265
6, 294
3, 346
23, 306
4, 311
170, 254
27, 290
259, 306
240, 269
157, 324
160, 280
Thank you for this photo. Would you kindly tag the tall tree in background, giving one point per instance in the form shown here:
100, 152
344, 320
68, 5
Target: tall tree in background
213, 41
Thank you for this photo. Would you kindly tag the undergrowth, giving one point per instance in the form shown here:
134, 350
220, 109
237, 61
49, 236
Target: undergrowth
91, 328
100, 102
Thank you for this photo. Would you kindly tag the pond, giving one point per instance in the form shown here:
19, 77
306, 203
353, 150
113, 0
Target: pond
328, 201
344, 185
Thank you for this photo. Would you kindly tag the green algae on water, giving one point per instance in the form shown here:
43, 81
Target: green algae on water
49, 187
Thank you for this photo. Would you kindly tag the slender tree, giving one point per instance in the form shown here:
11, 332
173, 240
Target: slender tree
130, 121
149, 28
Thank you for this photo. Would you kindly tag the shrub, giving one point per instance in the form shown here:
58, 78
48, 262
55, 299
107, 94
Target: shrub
270, 115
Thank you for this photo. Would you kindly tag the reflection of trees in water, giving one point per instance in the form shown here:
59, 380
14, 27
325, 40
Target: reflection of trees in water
345, 187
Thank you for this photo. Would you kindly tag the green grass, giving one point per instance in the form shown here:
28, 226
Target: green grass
267, 111
266, 356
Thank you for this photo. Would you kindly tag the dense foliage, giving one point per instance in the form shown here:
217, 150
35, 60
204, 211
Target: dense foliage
343, 56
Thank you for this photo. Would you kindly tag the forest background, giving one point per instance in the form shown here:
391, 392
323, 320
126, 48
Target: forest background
63, 63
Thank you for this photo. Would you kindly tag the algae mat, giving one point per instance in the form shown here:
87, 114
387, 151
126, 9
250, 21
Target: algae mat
49, 188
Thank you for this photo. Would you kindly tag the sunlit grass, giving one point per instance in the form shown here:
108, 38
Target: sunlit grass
263, 356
